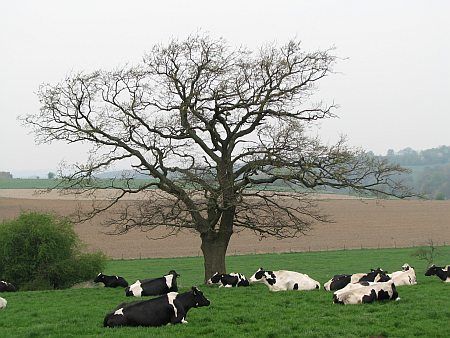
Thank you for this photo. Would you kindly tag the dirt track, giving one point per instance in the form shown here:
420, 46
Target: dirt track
357, 224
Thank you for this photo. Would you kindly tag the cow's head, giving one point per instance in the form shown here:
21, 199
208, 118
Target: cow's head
406, 267
257, 276
431, 270
214, 278
174, 273
378, 270
262, 275
381, 276
199, 299
99, 278
8, 286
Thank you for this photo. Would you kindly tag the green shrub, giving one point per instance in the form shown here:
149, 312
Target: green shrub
42, 251
440, 196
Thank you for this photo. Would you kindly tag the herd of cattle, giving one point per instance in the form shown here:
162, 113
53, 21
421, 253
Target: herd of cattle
171, 307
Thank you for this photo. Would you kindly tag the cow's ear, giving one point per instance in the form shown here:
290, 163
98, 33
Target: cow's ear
195, 290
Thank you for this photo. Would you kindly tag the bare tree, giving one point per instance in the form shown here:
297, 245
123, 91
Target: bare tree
215, 127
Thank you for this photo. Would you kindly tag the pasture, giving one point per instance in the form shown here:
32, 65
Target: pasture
254, 311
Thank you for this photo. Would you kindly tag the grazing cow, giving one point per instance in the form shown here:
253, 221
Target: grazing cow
283, 280
367, 294
228, 280
170, 308
3, 303
339, 281
111, 281
405, 277
442, 273
154, 287
7, 287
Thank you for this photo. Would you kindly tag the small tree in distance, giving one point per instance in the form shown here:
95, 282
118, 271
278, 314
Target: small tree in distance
215, 126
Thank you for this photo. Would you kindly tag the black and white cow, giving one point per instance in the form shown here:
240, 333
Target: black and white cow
228, 280
3, 303
339, 281
170, 308
442, 273
154, 287
367, 294
111, 281
7, 287
352, 286
283, 280
407, 276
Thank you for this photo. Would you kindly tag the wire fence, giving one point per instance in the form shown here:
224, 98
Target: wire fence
277, 250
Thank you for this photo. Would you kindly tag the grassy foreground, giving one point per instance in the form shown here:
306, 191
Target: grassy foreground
422, 311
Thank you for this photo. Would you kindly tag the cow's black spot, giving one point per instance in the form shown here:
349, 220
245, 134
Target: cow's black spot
369, 298
271, 281
383, 295
339, 281
259, 274
394, 292
229, 280
295, 286
317, 286
216, 278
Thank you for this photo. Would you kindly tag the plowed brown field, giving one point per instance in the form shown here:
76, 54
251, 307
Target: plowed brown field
357, 223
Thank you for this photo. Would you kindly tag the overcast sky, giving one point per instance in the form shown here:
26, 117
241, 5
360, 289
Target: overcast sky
393, 86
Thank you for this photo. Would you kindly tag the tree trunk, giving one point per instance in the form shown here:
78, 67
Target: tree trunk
214, 247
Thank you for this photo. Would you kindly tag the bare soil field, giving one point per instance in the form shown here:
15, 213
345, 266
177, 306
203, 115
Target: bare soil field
357, 223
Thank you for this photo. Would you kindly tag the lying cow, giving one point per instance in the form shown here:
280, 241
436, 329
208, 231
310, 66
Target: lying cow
283, 280
339, 281
3, 303
367, 294
111, 281
352, 286
228, 280
407, 276
7, 287
442, 273
170, 308
154, 287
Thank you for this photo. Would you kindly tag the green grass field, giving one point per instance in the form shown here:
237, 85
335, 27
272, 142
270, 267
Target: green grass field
254, 311
33, 183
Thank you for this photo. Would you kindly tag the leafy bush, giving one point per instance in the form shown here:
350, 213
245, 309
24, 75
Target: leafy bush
42, 251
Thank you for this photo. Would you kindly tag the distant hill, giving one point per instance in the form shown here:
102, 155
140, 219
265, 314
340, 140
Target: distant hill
427, 157
430, 169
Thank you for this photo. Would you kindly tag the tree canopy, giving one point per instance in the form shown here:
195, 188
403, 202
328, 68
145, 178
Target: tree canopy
216, 126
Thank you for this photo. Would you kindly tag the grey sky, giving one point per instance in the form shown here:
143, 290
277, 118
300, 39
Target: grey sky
392, 88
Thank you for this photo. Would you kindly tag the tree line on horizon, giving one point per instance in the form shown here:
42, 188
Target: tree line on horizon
430, 170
